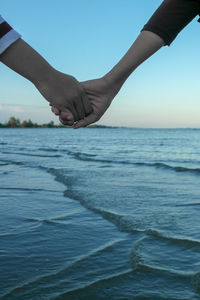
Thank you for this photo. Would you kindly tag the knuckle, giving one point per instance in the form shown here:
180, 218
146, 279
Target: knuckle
97, 117
61, 121
73, 95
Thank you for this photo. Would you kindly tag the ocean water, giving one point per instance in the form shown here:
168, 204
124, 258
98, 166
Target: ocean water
99, 214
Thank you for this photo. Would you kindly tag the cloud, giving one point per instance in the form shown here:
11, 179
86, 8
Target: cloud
10, 108
16, 109
39, 114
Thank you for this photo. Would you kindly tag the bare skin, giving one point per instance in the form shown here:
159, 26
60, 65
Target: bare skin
61, 90
102, 91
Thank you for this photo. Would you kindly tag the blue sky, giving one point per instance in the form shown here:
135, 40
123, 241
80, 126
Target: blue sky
85, 38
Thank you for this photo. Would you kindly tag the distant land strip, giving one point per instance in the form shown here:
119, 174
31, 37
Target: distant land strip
16, 123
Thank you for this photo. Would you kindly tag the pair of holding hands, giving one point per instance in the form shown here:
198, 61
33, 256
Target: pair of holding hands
78, 104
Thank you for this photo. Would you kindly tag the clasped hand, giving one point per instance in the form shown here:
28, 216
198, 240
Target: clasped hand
99, 92
66, 96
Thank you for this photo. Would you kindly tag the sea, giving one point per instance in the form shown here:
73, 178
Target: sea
99, 213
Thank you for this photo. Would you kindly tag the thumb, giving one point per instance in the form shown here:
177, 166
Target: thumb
55, 110
66, 118
86, 121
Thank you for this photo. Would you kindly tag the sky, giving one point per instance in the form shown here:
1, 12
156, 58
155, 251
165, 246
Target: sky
86, 38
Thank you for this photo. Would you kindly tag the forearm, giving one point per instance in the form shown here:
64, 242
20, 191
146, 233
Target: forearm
61, 90
23, 59
161, 29
144, 46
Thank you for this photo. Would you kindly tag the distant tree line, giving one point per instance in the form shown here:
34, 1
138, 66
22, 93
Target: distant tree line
16, 123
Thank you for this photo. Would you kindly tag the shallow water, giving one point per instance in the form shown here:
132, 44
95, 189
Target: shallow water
99, 214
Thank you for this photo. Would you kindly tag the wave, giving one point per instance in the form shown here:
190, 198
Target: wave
90, 157
28, 189
146, 268
93, 158
4, 164
126, 223
19, 231
28, 285
42, 221
141, 263
159, 165
48, 149
35, 224
63, 270
30, 154
196, 281
189, 204
59, 176
12, 162
173, 239
54, 220
173, 168
3, 252
117, 277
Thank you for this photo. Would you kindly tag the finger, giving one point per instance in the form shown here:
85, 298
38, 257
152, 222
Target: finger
74, 113
80, 109
66, 118
55, 110
86, 121
65, 122
87, 105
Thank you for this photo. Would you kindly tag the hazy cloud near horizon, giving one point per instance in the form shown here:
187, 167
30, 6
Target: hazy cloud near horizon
35, 113
10, 108
143, 118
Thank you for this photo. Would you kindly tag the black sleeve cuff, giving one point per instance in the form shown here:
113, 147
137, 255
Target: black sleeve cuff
171, 17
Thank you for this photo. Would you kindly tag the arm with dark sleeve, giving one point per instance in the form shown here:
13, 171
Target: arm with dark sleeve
171, 17
162, 28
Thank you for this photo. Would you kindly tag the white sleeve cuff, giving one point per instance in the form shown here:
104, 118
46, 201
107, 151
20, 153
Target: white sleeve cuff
8, 39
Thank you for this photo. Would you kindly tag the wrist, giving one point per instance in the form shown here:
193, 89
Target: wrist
113, 81
41, 74
45, 80
115, 77
23, 59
